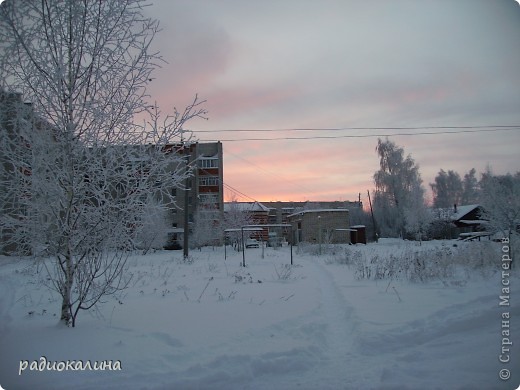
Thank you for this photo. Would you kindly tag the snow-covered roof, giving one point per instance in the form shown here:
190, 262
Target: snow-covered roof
451, 215
245, 207
463, 210
317, 211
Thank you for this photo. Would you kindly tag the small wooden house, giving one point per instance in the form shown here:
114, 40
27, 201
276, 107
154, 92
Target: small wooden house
469, 222
464, 222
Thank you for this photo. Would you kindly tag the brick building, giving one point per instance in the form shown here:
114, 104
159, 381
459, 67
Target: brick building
204, 197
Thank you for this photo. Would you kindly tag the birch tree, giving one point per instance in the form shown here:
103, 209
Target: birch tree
447, 189
417, 215
470, 189
396, 183
235, 217
500, 199
78, 170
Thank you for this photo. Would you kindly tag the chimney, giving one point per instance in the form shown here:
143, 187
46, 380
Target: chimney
455, 208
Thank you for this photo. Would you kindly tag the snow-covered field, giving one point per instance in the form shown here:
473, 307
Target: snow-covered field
212, 324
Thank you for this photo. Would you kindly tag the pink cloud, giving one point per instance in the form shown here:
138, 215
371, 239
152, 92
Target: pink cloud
226, 103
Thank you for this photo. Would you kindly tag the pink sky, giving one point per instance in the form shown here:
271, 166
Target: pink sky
342, 64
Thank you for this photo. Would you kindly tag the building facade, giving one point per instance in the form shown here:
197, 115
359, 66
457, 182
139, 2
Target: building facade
310, 221
321, 226
200, 205
17, 122
280, 211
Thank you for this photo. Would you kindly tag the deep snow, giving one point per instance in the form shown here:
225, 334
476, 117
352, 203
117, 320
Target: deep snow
213, 324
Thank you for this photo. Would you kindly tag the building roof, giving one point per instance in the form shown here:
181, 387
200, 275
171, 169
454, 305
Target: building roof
463, 211
317, 211
245, 207
449, 214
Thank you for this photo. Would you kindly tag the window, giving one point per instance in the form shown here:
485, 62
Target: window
208, 181
206, 199
208, 162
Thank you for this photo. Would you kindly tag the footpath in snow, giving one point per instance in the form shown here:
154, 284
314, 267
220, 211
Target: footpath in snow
212, 324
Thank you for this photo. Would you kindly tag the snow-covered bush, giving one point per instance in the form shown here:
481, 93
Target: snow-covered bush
346, 258
318, 250
421, 263
284, 273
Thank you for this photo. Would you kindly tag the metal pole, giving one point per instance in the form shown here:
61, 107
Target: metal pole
243, 248
186, 216
319, 233
291, 246
373, 219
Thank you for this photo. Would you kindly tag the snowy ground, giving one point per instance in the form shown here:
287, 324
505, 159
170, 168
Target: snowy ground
212, 324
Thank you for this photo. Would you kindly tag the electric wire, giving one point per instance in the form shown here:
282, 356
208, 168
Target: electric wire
492, 127
238, 192
315, 137
445, 130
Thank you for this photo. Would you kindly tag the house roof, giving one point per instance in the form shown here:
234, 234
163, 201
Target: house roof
245, 207
450, 214
462, 211
317, 211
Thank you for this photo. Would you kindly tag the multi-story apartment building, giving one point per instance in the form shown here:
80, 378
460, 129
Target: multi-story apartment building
17, 121
203, 197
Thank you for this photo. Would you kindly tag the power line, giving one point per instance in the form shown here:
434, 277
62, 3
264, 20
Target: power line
455, 130
497, 127
458, 131
238, 192
230, 187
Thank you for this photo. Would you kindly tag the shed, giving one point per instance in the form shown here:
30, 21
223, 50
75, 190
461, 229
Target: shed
358, 234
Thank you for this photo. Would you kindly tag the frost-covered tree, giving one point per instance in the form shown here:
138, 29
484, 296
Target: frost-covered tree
500, 199
396, 182
235, 217
152, 229
447, 189
470, 188
207, 229
417, 215
78, 172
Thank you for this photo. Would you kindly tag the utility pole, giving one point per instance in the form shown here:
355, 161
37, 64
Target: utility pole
373, 219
